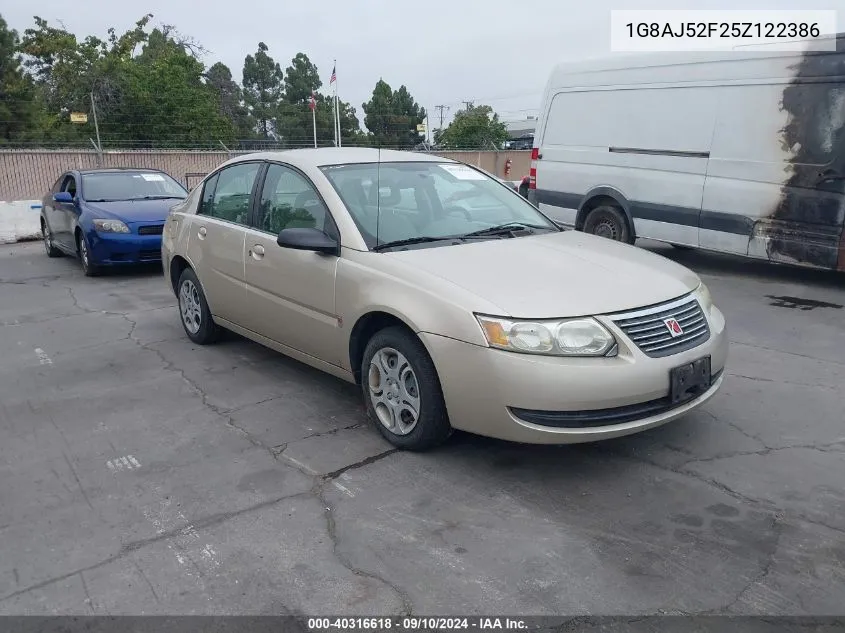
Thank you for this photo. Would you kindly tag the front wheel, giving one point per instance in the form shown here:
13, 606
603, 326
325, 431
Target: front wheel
402, 392
610, 222
88, 267
196, 316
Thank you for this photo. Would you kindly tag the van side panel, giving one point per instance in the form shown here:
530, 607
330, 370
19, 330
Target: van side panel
650, 143
766, 193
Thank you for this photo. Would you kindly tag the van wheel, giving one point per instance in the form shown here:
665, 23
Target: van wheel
610, 222
402, 392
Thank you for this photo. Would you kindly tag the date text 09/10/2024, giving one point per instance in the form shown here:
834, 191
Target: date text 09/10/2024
417, 623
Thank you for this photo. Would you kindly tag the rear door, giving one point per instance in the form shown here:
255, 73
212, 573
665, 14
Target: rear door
291, 293
216, 243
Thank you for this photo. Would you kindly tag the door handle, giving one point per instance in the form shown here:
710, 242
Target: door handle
202, 233
257, 251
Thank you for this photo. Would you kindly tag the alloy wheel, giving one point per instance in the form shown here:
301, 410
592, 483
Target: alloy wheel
394, 391
190, 306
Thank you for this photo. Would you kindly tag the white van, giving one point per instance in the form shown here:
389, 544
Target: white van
737, 152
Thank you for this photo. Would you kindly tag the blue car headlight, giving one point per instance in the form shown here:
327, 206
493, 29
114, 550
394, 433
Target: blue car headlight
110, 226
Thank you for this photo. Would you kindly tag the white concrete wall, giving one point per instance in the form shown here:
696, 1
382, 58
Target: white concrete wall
20, 220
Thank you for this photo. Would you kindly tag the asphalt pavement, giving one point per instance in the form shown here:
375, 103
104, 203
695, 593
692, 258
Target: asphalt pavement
143, 474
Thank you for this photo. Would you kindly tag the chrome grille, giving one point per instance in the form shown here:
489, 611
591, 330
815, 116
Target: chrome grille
648, 330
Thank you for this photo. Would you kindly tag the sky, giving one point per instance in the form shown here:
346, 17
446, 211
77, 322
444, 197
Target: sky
496, 52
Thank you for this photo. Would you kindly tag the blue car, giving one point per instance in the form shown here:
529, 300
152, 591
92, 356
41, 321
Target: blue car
108, 217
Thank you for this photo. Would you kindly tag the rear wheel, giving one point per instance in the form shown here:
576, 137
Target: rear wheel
88, 267
402, 392
49, 245
610, 222
196, 316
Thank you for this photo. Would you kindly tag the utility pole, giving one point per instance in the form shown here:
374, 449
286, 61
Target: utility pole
468, 104
441, 108
97, 129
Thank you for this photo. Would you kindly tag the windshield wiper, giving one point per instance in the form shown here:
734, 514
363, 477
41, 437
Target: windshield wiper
160, 198
507, 228
422, 239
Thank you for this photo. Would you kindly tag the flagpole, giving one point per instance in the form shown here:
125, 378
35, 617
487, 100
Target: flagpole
337, 108
334, 103
314, 117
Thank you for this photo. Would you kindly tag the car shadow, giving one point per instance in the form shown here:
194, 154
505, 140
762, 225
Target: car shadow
710, 263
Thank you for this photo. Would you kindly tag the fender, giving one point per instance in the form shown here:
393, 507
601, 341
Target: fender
608, 192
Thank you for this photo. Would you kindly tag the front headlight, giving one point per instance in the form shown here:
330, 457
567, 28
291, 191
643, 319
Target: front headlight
561, 337
110, 226
704, 298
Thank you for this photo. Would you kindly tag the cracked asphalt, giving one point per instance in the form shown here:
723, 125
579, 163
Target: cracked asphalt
142, 474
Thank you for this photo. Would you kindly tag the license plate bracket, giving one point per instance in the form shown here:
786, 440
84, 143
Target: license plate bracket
689, 381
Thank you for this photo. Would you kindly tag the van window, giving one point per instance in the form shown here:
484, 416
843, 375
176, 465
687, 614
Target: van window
780, 122
678, 119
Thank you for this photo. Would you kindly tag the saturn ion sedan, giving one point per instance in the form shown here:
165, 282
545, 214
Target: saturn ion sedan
450, 299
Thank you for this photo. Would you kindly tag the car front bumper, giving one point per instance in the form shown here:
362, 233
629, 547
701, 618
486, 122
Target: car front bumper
108, 249
555, 400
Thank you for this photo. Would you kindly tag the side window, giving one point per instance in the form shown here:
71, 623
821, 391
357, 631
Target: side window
206, 203
289, 201
69, 185
230, 201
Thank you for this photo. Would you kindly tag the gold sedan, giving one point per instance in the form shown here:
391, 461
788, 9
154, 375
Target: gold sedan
451, 300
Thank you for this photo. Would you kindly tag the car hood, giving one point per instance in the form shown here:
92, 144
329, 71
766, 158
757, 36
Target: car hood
554, 275
134, 210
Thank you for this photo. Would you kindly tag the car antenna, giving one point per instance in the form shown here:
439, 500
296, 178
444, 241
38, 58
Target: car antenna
378, 189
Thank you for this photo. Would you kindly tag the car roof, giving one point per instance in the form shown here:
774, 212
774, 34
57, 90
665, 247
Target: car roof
112, 170
324, 156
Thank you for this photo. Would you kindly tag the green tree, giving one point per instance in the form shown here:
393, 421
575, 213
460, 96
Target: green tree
68, 72
301, 77
476, 127
263, 88
18, 106
171, 104
230, 100
392, 116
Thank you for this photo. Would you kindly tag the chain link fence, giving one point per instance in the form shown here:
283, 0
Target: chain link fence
29, 174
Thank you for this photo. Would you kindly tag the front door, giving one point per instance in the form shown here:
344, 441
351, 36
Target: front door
216, 243
64, 215
291, 292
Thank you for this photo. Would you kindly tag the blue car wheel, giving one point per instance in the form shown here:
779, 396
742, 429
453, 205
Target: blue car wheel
88, 267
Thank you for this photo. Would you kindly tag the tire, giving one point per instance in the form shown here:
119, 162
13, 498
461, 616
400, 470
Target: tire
415, 375
610, 222
88, 267
47, 235
193, 310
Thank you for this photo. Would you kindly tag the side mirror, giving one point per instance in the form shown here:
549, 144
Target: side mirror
62, 196
308, 239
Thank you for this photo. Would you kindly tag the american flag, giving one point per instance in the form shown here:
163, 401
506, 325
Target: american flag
313, 102
334, 74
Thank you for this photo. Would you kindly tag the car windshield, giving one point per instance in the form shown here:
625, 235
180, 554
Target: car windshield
130, 185
393, 202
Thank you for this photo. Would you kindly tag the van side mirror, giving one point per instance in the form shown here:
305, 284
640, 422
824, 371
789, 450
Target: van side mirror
62, 196
308, 239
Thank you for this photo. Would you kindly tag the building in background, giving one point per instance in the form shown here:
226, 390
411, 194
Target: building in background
521, 133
